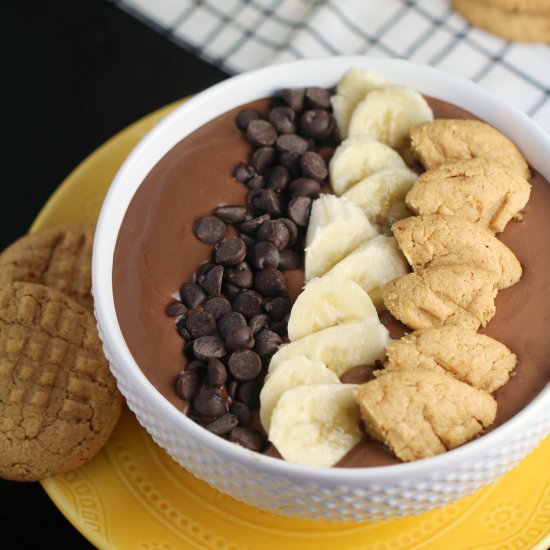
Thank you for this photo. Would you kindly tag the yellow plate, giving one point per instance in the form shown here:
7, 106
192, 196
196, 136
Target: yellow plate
132, 495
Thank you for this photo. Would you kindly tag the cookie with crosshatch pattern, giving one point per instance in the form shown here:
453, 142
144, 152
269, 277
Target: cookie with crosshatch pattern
58, 400
59, 257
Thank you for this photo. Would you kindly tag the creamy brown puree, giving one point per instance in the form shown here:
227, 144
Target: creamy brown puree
156, 251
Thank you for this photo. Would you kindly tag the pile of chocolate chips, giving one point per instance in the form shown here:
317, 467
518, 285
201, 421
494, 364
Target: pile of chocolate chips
233, 316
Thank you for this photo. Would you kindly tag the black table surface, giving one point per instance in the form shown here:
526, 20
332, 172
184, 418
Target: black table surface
75, 72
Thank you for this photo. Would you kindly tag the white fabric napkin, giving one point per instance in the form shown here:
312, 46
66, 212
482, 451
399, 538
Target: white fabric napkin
240, 35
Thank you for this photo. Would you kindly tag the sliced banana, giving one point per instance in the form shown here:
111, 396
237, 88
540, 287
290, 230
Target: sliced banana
388, 114
296, 371
340, 348
372, 265
326, 302
336, 227
316, 425
351, 89
382, 195
357, 158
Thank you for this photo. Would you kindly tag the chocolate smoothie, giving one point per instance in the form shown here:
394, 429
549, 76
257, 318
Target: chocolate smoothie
156, 251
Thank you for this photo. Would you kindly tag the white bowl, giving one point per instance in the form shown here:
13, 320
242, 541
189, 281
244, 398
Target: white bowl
272, 484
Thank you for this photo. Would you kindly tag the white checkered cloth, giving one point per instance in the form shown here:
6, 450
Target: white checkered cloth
240, 35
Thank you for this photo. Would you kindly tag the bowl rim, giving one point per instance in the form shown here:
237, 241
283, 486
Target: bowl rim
456, 90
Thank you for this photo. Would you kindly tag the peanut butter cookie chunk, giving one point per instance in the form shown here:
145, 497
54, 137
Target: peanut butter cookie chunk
419, 413
59, 257
448, 139
455, 295
58, 400
477, 190
470, 357
521, 21
435, 240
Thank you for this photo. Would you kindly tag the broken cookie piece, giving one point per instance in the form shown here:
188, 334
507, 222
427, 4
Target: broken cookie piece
419, 413
435, 240
457, 295
476, 359
476, 189
456, 139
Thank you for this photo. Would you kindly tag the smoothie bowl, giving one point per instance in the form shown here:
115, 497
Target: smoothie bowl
248, 191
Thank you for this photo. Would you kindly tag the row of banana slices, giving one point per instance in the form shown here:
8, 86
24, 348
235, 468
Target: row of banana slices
310, 416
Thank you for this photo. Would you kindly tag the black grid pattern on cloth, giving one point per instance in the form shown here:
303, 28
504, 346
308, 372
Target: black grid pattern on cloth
240, 35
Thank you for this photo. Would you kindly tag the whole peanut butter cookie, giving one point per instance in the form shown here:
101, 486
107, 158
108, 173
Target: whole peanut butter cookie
58, 400
449, 139
474, 358
520, 22
59, 257
478, 190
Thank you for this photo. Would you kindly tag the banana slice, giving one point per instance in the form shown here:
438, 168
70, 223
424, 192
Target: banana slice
357, 158
296, 371
351, 89
381, 196
340, 348
388, 114
336, 227
316, 425
326, 302
372, 265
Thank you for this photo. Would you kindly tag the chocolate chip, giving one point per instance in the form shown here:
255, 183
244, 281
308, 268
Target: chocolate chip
230, 252
265, 254
277, 179
282, 119
203, 269
209, 229
291, 161
216, 373
316, 124
243, 172
278, 307
241, 411
248, 303
188, 349
313, 166
292, 230
281, 327
249, 393
212, 281
305, 187
229, 321
192, 295
274, 231
209, 346
239, 337
262, 159
258, 322
232, 388
240, 275
318, 98
201, 324
267, 201
247, 438
230, 291
197, 366
293, 97
257, 182
244, 365
182, 329
267, 343
175, 309
217, 307
289, 259
245, 117
299, 209
261, 133
291, 143
231, 214
210, 402
187, 384
223, 425
269, 282
251, 226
